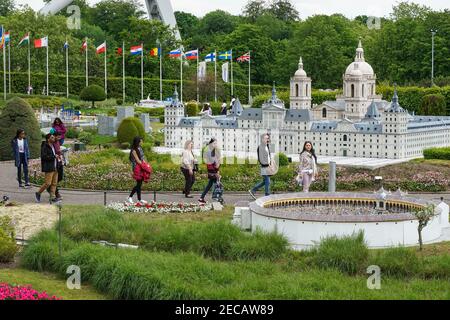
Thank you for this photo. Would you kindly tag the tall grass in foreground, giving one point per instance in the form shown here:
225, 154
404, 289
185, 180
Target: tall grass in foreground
140, 274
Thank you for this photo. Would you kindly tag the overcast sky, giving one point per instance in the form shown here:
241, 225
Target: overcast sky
349, 8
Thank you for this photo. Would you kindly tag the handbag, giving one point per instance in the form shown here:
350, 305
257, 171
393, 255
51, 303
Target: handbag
272, 169
195, 169
299, 179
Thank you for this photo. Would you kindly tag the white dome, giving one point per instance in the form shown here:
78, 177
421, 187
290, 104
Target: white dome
300, 73
361, 66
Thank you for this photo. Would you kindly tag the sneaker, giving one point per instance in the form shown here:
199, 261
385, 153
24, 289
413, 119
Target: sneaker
54, 200
202, 201
38, 197
27, 185
58, 197
130, 200
188, 196
21, 185
143, 202
252, 194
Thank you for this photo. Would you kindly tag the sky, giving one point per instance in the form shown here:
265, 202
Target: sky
349, 8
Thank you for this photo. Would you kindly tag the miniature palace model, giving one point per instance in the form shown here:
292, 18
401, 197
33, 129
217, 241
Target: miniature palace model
357, 124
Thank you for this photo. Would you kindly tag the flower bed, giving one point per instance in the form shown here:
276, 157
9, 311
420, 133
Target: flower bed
159, 207
8, 292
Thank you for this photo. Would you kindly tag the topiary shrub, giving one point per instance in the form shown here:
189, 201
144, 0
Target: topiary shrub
129, 128
433, 105
283, 160
192, 108
8, 247
85, 137
18, 114
72, 133
93, 93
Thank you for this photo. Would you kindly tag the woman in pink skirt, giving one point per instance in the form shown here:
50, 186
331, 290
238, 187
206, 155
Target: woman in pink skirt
307, 169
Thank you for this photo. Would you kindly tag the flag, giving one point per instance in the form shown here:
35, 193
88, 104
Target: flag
211, 57
202, 70
7, 37
225, 72
244, 58
119, 51
66, 45
175, 53
2, 37
41, 43
25, 39
101, 48
84, 46
155, 52
191, 55
136, 50
225, 55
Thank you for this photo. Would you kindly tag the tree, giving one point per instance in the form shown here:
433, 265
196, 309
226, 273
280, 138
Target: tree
284, 10
187, 24
254, 9
410, 10
18, 114
6, 7
93, 93
130, 128
423, 215
218, 21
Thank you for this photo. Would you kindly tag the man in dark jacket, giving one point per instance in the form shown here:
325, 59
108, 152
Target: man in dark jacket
49, 167
265, 161
21, 154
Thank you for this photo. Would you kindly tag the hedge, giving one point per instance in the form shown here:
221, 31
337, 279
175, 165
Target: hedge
130, 128
437, 153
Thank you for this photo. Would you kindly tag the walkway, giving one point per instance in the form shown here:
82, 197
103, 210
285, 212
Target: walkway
9, 187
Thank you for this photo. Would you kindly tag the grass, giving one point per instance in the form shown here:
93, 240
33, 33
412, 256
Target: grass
139, 274
50, 283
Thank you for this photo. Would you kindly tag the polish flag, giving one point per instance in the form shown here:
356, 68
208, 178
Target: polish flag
41, 43
101, 48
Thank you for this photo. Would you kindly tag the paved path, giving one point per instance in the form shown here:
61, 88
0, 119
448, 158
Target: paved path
9, 186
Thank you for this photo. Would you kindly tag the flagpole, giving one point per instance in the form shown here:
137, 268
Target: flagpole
67, 69
4, 64
215, 75
29, 62
106, 76
160, 74
249, 84
87, 70
198, 94
47, 67
231, 62
9, 66
123, 72
142, 71
181, 75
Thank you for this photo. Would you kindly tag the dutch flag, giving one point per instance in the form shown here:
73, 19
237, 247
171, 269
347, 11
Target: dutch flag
136, 50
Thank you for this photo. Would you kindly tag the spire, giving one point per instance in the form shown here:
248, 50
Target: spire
395, 97
300, 64
274, 92
372, 111
359, 52
395, 106
175, 94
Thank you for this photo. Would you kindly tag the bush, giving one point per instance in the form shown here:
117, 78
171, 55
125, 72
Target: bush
130, 128
18, 114
348, 254
283, 160
85, 137
437, 153
433, 105
93, 93
119, 101
72, 133
8, 247
398, 262
125, 145
192, 108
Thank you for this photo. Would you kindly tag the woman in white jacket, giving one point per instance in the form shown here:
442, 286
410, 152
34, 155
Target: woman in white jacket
188, 167
307, 169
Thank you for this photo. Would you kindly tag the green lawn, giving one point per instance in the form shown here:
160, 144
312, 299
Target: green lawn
50, 283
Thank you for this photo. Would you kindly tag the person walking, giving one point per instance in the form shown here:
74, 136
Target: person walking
58, 125
223, 111
21, 153
212, 160
189, 166
206, 110
307, 168
48, 165
137, 157
59, 162
267, 165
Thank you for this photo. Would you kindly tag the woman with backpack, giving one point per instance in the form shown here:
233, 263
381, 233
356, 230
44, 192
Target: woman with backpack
212, 160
